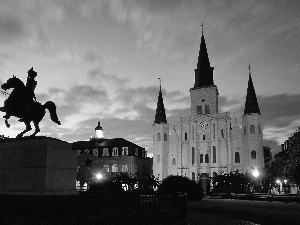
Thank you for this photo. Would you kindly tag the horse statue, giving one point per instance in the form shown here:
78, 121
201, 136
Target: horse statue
21, 103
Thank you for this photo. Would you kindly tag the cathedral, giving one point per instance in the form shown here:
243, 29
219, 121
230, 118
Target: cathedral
207, 142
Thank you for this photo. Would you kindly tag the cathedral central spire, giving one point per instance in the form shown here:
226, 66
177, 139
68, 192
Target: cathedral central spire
204, 72
160, 116
251, 105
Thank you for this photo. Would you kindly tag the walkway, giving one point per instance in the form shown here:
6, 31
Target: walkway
242, 212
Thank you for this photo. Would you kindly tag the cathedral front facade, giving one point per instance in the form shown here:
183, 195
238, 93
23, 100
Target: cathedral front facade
207, 142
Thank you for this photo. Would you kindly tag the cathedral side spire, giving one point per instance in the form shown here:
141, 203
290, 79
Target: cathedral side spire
160, 116
251, 105
204, 72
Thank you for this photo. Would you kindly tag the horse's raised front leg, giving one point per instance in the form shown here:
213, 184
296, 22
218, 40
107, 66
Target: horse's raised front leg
28, 128
37, 128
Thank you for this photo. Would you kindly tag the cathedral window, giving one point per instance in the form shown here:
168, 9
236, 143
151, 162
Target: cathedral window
203, 137
245, 130
185, 136
252, 129
206, 158
193, 176
214, 131
115, 151
199, 110
193, 155
165, 137
237, 157
222, 133
158, 137
253, 154
95, 152
259, 129
193, 132
114, 168
158, 159
174, 162
214, 154
201, 158
207, 110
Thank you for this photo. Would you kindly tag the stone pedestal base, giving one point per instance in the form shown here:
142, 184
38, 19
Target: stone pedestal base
37, 166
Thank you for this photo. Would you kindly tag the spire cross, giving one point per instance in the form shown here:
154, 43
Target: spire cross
159, 83
202, 25
249, 69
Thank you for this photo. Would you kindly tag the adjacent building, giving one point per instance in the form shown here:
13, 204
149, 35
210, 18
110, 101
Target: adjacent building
207, 142
113, 156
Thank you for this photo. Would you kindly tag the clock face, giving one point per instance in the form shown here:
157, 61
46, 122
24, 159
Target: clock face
203, 125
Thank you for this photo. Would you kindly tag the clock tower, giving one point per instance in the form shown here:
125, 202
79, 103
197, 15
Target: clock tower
204, 94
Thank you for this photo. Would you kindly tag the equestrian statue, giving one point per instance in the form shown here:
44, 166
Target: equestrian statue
22, 103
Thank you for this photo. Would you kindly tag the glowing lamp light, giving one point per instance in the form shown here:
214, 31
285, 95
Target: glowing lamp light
99, 176
255, 173
277, 181
285, 181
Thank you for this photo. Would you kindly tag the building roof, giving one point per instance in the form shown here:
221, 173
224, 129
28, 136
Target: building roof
160, 115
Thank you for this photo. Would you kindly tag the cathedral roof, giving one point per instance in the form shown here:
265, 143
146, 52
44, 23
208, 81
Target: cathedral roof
204, 72
160, 116
251, 105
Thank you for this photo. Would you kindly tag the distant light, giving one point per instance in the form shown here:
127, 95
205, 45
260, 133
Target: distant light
285, 181
99, 176
255, 173
277, 181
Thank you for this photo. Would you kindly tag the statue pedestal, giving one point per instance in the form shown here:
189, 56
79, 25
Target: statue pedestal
37, 166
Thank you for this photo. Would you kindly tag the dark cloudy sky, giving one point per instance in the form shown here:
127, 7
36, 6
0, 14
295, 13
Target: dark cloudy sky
101, 59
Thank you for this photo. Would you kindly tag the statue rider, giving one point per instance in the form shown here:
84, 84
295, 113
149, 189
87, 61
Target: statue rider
27, 96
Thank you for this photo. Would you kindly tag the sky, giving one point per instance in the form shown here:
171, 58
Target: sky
101, 59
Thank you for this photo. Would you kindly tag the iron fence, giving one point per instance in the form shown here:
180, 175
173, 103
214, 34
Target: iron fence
95, 208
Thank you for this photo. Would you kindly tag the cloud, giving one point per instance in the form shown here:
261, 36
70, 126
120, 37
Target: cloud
11, 28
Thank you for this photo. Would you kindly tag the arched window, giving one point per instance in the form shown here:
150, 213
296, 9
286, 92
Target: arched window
193, 155
165, 137
193, 176
237, 157
207, 111
114, 168
206, 158
245, 130
253, 154
185, 136
199, 110
158, 137
201, 158
252, 129
174, 162
115, 151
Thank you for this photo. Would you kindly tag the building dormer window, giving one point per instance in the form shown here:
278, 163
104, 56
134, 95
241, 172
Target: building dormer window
125, 150
136, 152
95, 152
105, 152
115, 151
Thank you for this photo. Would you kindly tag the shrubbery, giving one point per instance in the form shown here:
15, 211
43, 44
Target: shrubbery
183, 185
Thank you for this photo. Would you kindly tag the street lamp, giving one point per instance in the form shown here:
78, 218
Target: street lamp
256, 174
99, 176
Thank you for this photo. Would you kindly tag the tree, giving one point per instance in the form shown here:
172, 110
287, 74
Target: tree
267, 154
